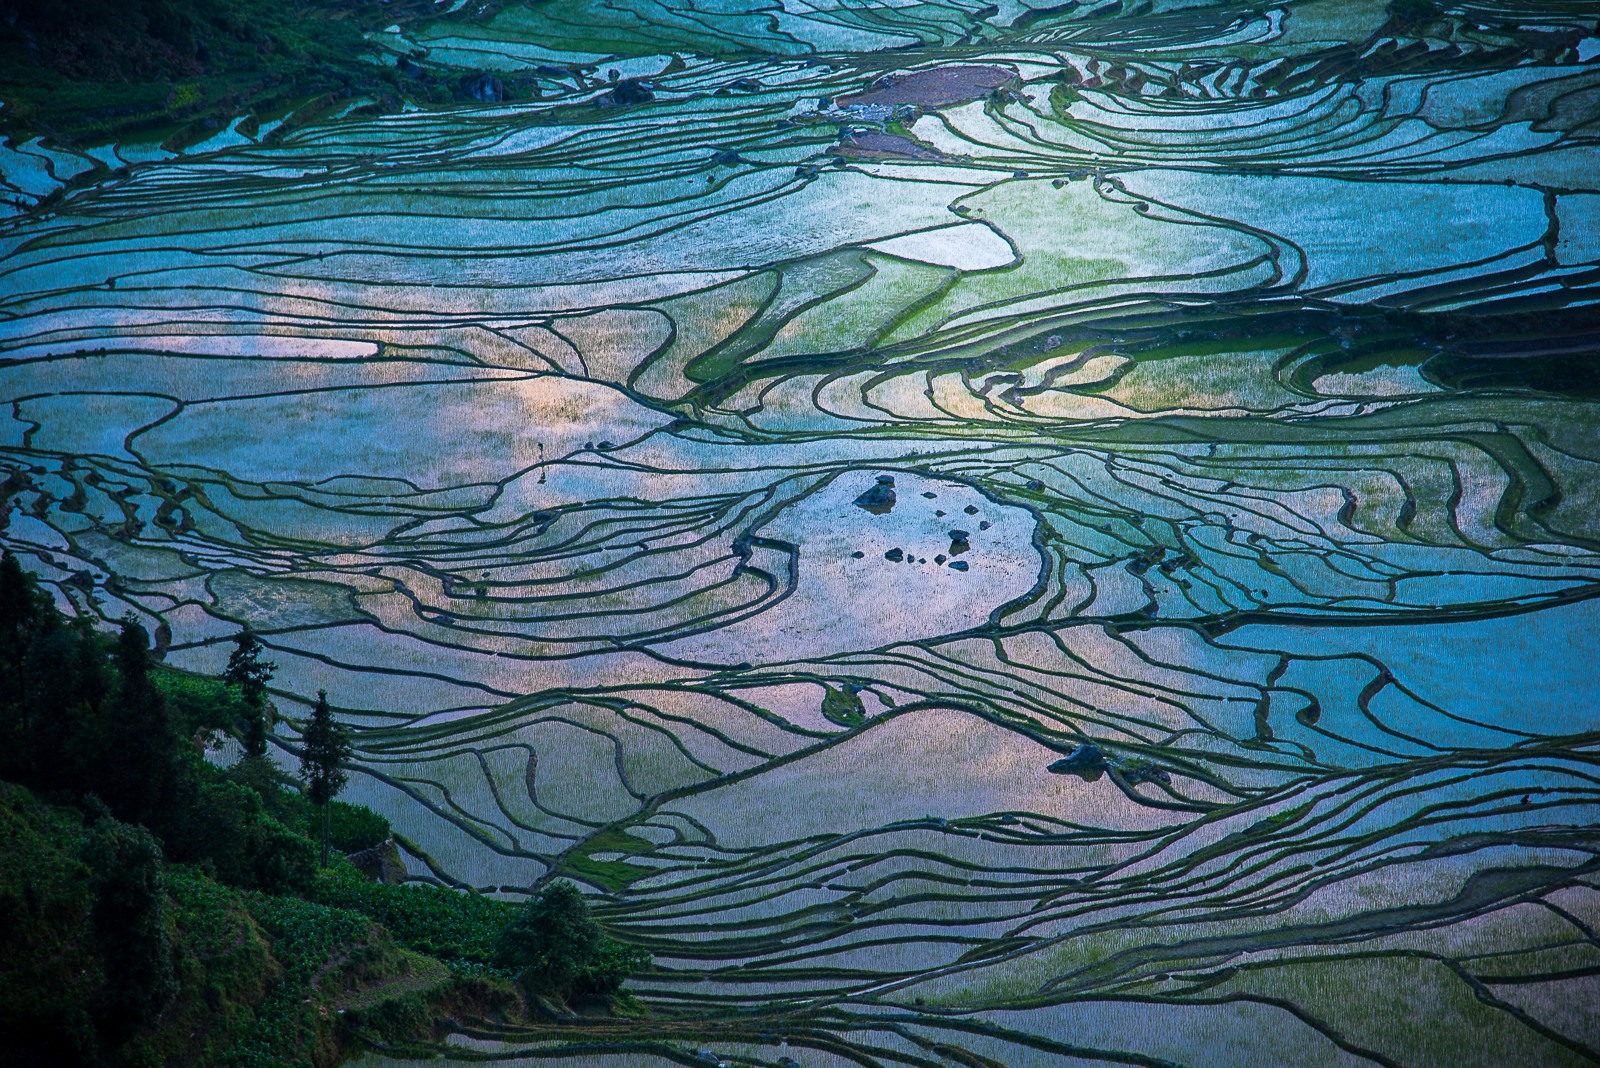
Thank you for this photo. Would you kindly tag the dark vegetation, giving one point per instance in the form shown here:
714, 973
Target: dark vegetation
178, 70
158, 909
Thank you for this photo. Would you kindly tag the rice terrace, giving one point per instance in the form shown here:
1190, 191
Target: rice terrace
631, 533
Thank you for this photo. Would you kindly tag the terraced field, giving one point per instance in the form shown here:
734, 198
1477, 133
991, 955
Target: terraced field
984, 535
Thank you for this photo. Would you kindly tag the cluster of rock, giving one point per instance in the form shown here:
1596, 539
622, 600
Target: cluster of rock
1089, 763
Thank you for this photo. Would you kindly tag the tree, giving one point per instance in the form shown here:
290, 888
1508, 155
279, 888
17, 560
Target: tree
228, 825
143, 773
25, 614
553, 940
248, 671
129, 918
325, 747
22, 608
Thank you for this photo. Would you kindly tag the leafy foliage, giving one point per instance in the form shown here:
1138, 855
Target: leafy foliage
48, 970
560, 950
351, 828
305, 937
106, 950
76, 720
229, 827
430, 919
551, 944
200, 704
129, 920
179, 69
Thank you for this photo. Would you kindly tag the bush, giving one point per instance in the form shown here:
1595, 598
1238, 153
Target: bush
229, 827
352, 828
560, 950
200, 703
442, 923
130, 927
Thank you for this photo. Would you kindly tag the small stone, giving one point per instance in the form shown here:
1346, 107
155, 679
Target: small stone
858, 554
930, 495
939, 559
894, 554
971, 509
958, 565
983, 525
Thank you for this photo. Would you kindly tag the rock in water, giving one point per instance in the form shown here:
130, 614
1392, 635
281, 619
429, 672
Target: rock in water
958, 542
1086, 762
879, 500
628, 91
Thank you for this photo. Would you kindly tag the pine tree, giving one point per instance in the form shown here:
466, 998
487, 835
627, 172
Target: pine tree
326, 747
143, 767
48, 706
25, 612
248, 671
20, 608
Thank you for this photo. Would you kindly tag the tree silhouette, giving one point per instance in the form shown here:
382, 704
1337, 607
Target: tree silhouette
326, 746
248, 671
142, 779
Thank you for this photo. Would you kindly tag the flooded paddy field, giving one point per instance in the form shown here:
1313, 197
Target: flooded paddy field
983, 535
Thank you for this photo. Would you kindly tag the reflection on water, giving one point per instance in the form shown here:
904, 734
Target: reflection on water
1055, 531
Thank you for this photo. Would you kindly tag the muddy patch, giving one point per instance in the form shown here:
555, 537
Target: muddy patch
871, 144
934, 88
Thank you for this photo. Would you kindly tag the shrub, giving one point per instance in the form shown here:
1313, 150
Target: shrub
352, 828
129, 920
228, 826
429, 919
560, 950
